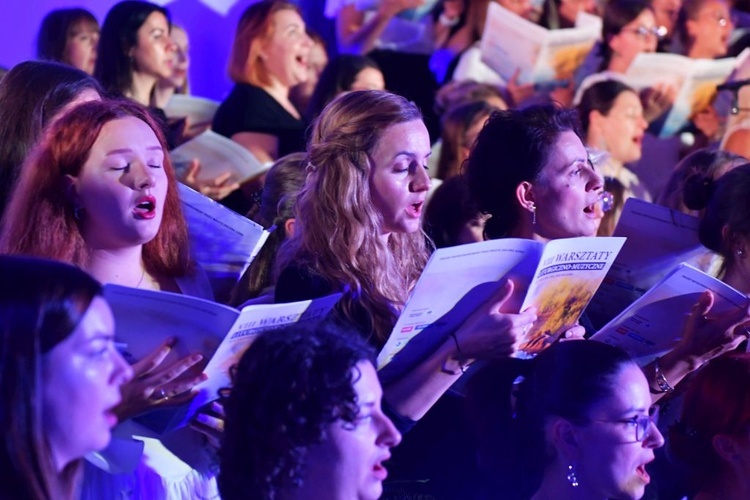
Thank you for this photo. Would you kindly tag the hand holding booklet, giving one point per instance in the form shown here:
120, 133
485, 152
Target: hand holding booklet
146, 318
217, 155
654, 323
512, 43
558, 278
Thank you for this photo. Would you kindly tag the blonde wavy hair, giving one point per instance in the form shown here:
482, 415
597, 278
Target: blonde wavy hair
338, 231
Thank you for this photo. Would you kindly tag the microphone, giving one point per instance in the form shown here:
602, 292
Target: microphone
735, 85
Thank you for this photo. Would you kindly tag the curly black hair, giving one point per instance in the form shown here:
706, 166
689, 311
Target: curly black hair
287, 388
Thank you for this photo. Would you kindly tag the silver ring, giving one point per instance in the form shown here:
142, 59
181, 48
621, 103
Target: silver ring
525, 328
161, 395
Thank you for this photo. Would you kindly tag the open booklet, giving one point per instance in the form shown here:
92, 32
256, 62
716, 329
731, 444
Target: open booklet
695, 80
658, 238
198, 111
510, 43
145, 318
222, 242
559, 278
653, 324
217, 155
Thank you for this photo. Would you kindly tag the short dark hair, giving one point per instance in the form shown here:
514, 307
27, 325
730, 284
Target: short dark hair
41, 304
118, 35
513, 147
287, 388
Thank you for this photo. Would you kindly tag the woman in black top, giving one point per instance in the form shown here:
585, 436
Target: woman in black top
269, 57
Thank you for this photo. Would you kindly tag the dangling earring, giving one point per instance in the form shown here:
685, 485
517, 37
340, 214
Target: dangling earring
571, 477
532, 207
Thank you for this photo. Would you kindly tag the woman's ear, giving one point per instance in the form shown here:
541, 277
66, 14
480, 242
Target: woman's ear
733, 242
525, 195
596, 120
726, 447
613, 41
691, 28
563, 436
70, 187
289, 227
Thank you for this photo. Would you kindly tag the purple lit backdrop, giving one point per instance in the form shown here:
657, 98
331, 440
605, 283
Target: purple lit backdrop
209, 23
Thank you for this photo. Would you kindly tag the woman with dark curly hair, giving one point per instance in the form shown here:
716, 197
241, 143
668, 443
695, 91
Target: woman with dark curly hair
303, 419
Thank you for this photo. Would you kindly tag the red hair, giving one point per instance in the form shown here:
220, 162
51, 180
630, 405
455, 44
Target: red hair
40, 218
253, 30
717, 402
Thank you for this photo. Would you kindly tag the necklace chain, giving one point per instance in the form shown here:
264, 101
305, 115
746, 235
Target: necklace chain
143, 275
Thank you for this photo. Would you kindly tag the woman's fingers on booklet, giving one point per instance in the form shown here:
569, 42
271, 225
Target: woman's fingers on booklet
153, 386
488, 332
217, 188
209, 421
153, 359
577, 332
707, 335
175, 370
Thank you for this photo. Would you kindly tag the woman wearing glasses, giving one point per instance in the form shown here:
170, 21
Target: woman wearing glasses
582, 425
628, 29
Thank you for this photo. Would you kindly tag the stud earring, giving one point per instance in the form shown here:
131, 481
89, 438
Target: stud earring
740, 252
571, 477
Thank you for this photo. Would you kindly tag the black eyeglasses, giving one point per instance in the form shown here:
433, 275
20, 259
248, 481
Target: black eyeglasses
644, 33
642, 423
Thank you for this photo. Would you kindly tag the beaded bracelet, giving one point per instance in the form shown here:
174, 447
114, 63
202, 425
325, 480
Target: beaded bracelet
660, 379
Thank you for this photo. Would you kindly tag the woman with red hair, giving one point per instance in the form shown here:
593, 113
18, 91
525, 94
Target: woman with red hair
269, 56
713, 436
99, 192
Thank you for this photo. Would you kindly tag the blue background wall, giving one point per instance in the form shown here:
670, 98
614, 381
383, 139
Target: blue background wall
209, 23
